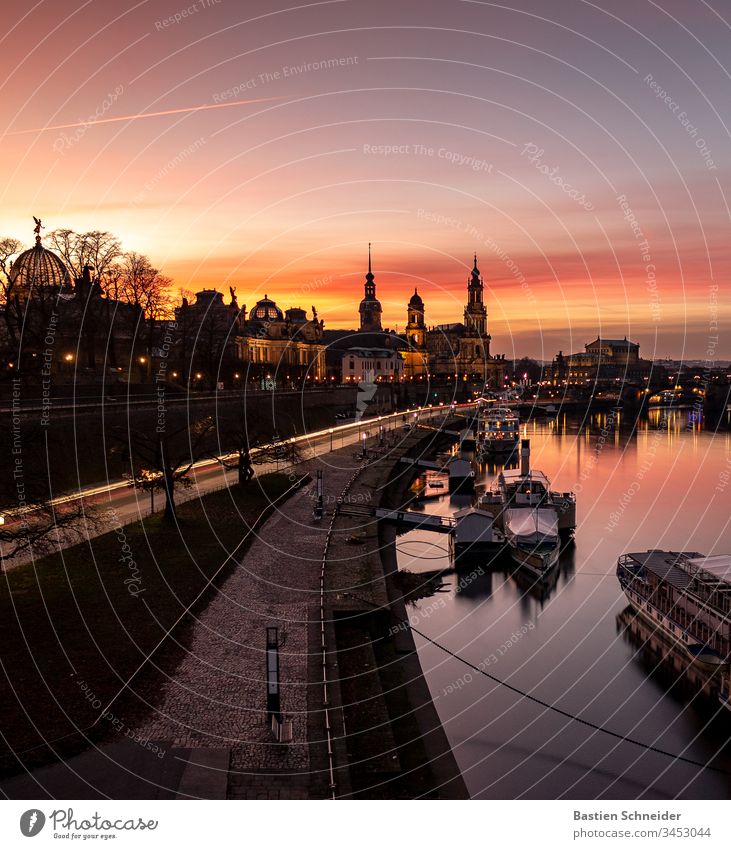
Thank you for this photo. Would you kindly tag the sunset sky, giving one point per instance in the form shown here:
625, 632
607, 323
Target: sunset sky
584, 156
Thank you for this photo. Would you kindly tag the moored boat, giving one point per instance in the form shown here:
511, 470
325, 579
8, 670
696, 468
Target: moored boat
476, 534
529, 488
498, 432
533, 539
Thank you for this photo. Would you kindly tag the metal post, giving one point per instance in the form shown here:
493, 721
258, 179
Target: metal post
319, 509
272, 668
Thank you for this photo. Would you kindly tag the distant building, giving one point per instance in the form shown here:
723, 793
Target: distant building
619, 351
221, 343
372, 365
206, 333
605, 361
458, 351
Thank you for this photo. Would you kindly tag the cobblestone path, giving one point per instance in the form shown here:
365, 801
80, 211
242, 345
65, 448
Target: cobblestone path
217, 696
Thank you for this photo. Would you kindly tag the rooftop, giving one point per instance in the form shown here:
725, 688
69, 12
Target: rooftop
616, 343
667, 565
716, 566
374, 353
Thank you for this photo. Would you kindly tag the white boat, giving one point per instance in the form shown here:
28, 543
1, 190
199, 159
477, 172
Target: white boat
498, 431
533, 537
526, 487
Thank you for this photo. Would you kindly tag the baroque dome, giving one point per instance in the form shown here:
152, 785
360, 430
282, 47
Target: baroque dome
266, 310
416, 300
38, 268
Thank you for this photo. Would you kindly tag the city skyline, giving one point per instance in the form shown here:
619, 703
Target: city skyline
266, 153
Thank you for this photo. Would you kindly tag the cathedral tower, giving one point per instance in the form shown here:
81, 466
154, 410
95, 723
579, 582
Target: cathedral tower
370, 306
475, 313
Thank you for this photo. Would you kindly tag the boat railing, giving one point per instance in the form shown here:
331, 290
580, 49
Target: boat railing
626, 561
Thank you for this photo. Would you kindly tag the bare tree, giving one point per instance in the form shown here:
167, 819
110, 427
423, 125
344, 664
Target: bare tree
32, 519
141, 284
43, 527
98, 249
162, 460
8, 249
251, 443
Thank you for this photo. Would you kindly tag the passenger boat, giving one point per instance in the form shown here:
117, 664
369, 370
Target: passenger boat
498, 432
687, 595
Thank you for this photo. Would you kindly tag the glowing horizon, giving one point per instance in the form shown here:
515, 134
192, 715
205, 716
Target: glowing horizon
564, 151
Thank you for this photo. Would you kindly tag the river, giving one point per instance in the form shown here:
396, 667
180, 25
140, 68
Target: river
664, 484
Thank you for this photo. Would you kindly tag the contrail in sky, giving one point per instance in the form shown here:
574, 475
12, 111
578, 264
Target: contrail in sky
146, 115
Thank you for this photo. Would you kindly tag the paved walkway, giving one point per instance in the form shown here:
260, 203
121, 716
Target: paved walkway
217, 695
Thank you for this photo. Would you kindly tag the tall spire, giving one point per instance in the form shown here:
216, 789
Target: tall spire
369, 276
370, 308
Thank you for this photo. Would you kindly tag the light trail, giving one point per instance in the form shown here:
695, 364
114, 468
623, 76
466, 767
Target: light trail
335, 431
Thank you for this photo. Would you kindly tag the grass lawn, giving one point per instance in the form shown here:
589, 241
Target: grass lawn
75, 625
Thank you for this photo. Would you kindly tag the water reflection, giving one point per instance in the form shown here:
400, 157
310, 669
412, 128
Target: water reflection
678, 678
654, 483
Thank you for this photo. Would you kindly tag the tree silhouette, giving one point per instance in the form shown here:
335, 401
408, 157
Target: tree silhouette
161, 460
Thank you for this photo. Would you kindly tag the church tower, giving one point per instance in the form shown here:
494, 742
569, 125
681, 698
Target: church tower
415, 327
415, 356
370, 306
475, 313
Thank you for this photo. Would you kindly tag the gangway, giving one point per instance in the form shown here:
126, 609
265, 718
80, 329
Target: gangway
423, 521
424, 464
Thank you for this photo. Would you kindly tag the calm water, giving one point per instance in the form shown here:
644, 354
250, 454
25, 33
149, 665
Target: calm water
579, 646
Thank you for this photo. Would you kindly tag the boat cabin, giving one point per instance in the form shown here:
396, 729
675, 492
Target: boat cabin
524, 490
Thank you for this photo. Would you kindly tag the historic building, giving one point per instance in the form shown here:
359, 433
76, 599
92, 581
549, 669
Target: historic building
283, 346
372, 365
618, 351
206, 332
461, 350
603, 360
416, 359
457, 351
221, 343
370, 306
57, 327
